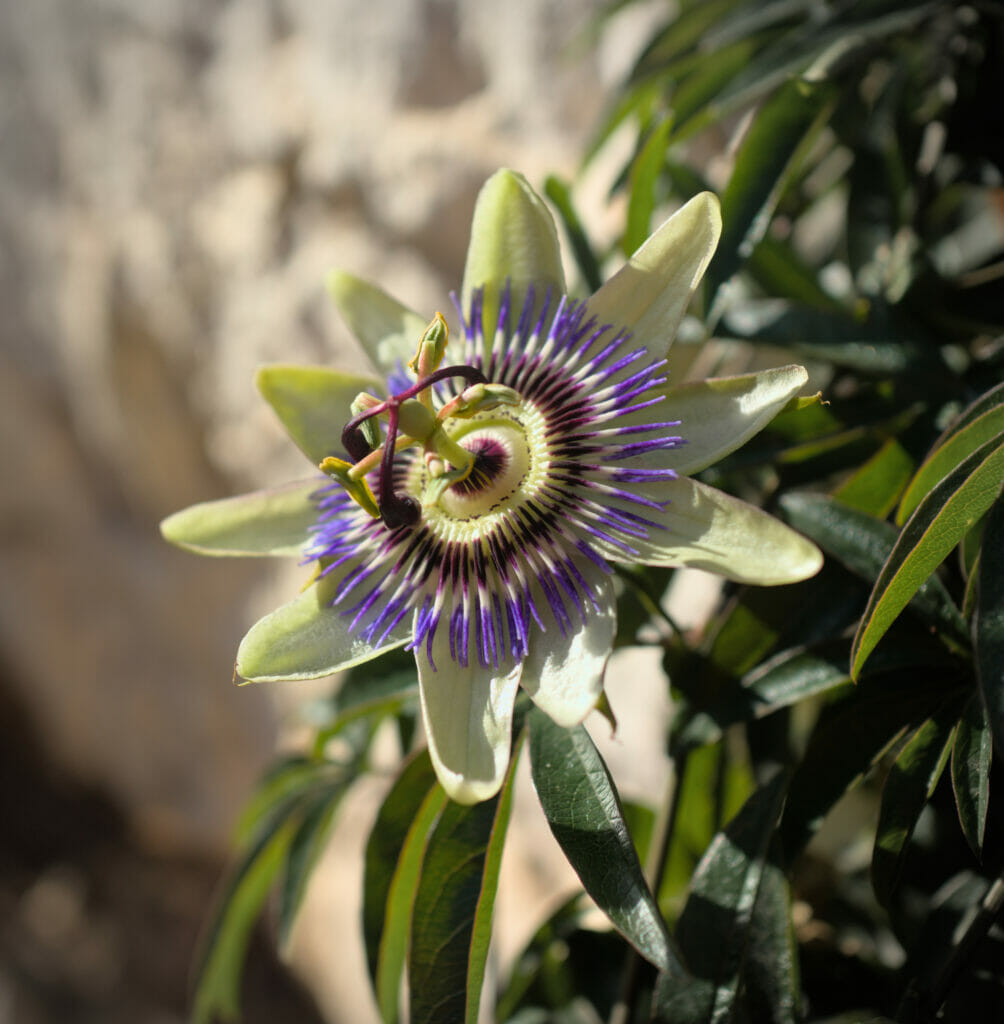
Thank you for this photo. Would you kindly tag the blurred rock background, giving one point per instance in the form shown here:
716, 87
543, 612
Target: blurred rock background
175, 178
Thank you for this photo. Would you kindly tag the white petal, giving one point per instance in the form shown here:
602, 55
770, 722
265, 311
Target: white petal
307, 638
720, 415
650, 293
564, 672
513, 238
716, 416
388, 330
272, 522
707, 529
468, 720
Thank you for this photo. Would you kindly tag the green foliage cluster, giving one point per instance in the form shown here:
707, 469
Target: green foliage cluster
864, 233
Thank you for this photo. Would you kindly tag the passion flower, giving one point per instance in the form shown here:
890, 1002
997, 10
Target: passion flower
473, 507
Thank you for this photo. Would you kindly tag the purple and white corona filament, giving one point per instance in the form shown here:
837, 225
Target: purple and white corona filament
509, 548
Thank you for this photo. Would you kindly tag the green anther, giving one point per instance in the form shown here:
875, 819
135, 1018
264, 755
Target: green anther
479, 398
370, 428
431, 348
358, 489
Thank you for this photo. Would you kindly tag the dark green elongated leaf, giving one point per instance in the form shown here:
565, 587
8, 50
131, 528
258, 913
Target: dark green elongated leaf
392, 862
785, 679
714, 929
218, 976
372, 689
305, 848
644, 180
582, 808
864, 545
846, 742
908, 787
877, 485
288, 780
780, 271
971, 754
989, 623
792, 676
820, 334
772, 149
771, 977
680, 36
561, 196
944, 458
941, 520
451, 920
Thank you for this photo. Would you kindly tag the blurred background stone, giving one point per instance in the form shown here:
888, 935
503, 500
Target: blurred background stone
176, 176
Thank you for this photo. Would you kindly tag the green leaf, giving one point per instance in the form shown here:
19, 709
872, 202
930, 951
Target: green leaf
819, 334
989, 623
275, 817
771, 151
715, 928
960, 441
583, 811
313, 404
874, 715
780, 271
770, 974
305, 849
393, 860
451, 920
561, 197
285, 783
971, 755
865, 545
875, 486
644, 179
908, 787
941, 520
218, 977
273, 522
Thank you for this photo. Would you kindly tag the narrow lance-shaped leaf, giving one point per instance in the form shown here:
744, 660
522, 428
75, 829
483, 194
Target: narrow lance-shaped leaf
874, 715
393, 859
989, 623
582, 808
941, 520
908, 787
217, 988
452, 915
770, 973
971, 754
305, 848
876, 485
560, 195
714, 929
979, 423
864, 545
644, 180
769, 153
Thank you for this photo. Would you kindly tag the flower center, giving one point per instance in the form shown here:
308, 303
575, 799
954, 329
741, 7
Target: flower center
412, 419
491, 459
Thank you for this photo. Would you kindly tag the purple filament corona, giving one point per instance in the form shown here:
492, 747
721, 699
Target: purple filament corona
478, 601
